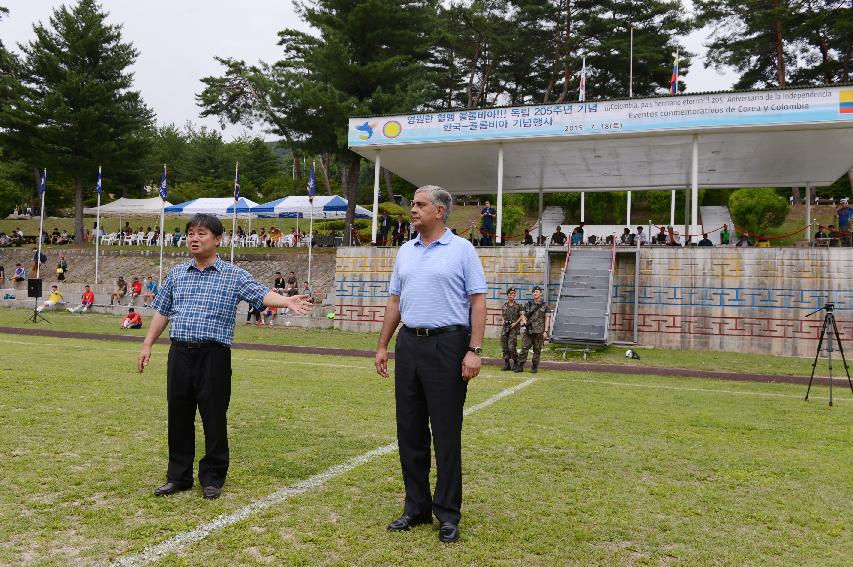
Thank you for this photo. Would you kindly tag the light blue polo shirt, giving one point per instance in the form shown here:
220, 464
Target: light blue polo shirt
434, 282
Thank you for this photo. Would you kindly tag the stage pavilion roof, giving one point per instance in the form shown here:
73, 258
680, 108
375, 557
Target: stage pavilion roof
776, 138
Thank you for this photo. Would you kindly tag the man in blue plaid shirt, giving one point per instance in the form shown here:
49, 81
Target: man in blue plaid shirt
200, 299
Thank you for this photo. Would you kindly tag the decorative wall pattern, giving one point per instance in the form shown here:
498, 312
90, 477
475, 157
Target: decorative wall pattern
734, 299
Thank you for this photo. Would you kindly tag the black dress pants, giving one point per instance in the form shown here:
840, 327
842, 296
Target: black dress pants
198, 377
430, 391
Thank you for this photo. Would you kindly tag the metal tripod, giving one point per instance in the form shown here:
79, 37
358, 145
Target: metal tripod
828, 325
36, 315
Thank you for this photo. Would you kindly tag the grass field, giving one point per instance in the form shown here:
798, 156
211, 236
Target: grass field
574, 468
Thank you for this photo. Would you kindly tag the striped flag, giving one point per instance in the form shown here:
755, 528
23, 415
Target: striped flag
237, 183
673, 81
42, 187
98, 184
163, 190
582, 87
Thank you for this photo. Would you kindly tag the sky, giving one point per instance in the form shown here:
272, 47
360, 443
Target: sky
178, 39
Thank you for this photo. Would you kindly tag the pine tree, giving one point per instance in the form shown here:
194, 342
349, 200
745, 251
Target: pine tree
753, 37
365, 57
77, 110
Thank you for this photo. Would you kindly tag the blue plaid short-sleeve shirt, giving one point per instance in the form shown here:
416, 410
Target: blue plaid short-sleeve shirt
202, 304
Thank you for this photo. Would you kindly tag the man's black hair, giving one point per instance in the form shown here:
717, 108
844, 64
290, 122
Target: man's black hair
209, 222
130, 310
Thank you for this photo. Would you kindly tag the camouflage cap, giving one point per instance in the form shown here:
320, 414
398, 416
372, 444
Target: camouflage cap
510, 290
537, 288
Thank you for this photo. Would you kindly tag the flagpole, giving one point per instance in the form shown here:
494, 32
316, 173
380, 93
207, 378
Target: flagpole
41, 223
631, 67
236, 198
311, 222
162, 222
98, 227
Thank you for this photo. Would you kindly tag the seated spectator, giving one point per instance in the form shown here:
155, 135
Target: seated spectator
176, 236
528, 238
820, 233
627, 237
705, 240
559, 237
672, 237
64, 238
306, 289
150, 293
120, 292
135, 289
541, 240
743, 241
54, 236
2, 276
54, 299
641, 236
20, 274
661, 237
292, 285
271, 313
132, 320
86, 302
724, 235
256, 313
593, 239
577, 237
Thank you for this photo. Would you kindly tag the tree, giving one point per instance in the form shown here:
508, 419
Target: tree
366, 58
76, 109
758, 209
752, 37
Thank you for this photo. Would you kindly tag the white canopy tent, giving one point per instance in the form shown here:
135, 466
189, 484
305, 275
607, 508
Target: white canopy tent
299, 206
124, 207
217, 206
776, 138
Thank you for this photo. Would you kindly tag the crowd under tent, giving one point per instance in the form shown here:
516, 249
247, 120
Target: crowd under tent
766, 138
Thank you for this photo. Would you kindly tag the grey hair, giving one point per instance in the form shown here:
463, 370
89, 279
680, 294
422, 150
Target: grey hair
440, 198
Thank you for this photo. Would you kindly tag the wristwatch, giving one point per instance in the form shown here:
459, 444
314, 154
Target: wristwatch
476, 350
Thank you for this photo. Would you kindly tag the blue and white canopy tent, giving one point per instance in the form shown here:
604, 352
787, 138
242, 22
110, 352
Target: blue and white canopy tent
300, 207
218, 206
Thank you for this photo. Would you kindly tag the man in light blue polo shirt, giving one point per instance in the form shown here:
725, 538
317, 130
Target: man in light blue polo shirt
438, 292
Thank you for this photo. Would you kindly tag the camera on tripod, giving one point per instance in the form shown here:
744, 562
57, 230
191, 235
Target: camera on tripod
828, 330
829, 307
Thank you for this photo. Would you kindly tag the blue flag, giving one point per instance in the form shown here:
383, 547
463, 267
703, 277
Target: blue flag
163, 190
98, 185
43, 182
237, 185
312, 186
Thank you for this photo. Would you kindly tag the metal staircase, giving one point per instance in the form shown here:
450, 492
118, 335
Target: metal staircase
582, 314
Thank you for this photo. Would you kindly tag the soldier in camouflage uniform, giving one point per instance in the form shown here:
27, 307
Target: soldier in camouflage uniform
512, 317
537, 330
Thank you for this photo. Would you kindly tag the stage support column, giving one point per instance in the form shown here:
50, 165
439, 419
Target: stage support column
809, 213
672, 209
694, 183
500, 193
540, 212
628, 219
583, 218
686, 215
377, 169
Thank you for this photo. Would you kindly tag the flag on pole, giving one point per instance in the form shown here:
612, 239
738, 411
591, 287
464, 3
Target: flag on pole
237, 183
43, 182
582, 87
163, 190
673, 82
98, 185
312, 186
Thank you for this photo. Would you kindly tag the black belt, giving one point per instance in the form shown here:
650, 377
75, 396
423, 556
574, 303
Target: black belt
422, 332
206, 344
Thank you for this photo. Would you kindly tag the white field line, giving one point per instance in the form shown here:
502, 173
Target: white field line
182, 540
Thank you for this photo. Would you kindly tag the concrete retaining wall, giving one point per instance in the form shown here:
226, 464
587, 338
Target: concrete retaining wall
726, 299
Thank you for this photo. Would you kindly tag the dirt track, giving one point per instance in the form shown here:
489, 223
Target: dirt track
545, 365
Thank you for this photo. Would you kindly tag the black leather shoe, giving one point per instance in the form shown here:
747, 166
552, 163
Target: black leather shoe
518, 368
211, 492
404, 522
534, 369
506, 365
448, 533
170, 488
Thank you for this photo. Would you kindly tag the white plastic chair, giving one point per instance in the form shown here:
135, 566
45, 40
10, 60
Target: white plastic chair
109, 239
149, 238
252, 240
